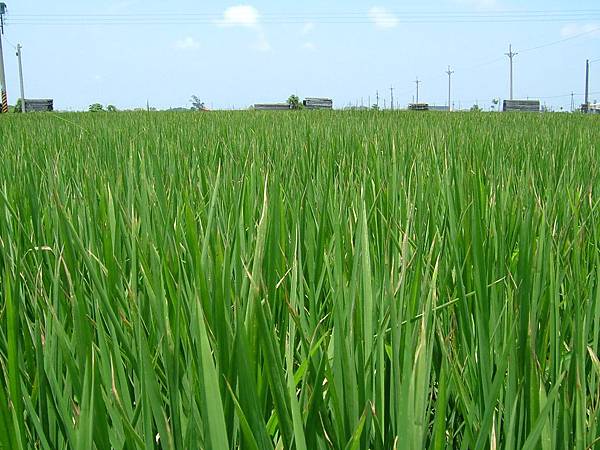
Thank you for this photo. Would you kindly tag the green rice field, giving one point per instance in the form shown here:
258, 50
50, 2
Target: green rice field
299, 280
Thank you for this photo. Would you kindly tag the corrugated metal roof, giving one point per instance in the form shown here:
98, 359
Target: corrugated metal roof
521, 105
39, 104
418, 106
272, 106
317, 103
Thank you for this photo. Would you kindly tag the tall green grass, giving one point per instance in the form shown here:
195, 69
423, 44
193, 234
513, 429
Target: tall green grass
303, 280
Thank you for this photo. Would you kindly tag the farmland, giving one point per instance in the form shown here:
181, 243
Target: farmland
306, 280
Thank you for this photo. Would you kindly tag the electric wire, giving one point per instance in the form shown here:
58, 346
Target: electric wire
391, 16
560, 41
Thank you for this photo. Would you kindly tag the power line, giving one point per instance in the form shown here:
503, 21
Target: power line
482, 64
266, 22
3, 95
216, 18
359, 14
449, 72
587, 84
530, 49
290, 18
10, 43
417, 82
548, 97
19, 56
511, 55
560, 41
575, 94
540, 97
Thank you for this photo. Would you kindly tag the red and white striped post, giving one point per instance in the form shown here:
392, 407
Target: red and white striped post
2, 75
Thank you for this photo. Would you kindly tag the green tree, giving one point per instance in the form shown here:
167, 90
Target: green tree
17, 107
476, 108
96, 107
111, 108
197, 104
294, 102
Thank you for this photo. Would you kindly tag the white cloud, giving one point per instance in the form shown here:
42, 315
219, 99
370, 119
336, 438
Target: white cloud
308, 28
240, 16
382, 18
246, 16
576, 29
187, 43
309, 46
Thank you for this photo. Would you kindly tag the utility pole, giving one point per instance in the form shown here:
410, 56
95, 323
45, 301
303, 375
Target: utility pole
587, 86
2, 74
449, 72
572, 101
417, 83
19, 47
377, 97
511, 55
392, 97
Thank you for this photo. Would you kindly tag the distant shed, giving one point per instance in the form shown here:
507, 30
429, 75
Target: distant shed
39, 105
272, 106
521, 106
418, 106
438, 108
318, 103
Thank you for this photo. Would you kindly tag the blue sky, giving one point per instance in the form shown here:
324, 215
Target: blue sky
242, 52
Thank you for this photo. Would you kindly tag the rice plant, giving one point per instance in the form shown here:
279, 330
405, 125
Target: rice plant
302, 280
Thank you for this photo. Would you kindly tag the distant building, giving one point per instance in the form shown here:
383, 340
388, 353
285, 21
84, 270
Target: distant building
521, 106
594, 108
272, 106
438, 108
418, 106
318, 103
39, 105
308, 103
